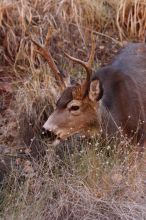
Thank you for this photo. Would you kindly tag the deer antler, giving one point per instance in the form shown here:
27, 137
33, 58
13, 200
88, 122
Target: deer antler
87, 65
46, 54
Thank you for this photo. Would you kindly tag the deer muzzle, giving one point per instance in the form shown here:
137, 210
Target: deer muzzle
52, 126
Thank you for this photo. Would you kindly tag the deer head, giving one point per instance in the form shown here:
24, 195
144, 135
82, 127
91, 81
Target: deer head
77, 108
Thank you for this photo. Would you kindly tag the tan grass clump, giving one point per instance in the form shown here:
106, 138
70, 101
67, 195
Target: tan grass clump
131, 19
74, 19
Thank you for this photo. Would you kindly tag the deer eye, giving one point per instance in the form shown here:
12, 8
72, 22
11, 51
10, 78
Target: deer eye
74, 108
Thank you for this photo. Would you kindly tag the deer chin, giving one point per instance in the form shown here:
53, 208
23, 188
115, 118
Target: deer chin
62, 136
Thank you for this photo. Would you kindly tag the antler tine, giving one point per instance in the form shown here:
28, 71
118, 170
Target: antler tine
84, 64
46, 54
87, 65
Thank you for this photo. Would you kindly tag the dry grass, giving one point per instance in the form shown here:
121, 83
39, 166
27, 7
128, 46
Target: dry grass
80, 179
82, 184
20, 19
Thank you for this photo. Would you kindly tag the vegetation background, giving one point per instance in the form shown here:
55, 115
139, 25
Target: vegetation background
80, 178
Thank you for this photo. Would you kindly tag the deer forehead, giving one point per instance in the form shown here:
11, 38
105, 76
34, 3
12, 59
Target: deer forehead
70, 94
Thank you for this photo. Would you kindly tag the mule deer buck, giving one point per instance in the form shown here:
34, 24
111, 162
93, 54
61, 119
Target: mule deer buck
112, 99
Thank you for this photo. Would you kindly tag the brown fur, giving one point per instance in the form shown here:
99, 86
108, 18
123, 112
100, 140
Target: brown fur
121, 88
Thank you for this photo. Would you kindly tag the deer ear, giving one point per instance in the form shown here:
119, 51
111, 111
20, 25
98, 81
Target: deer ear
95, 91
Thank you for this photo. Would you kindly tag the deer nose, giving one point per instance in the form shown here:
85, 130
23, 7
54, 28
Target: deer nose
45, 133
49, 127
45, 127
48, 134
